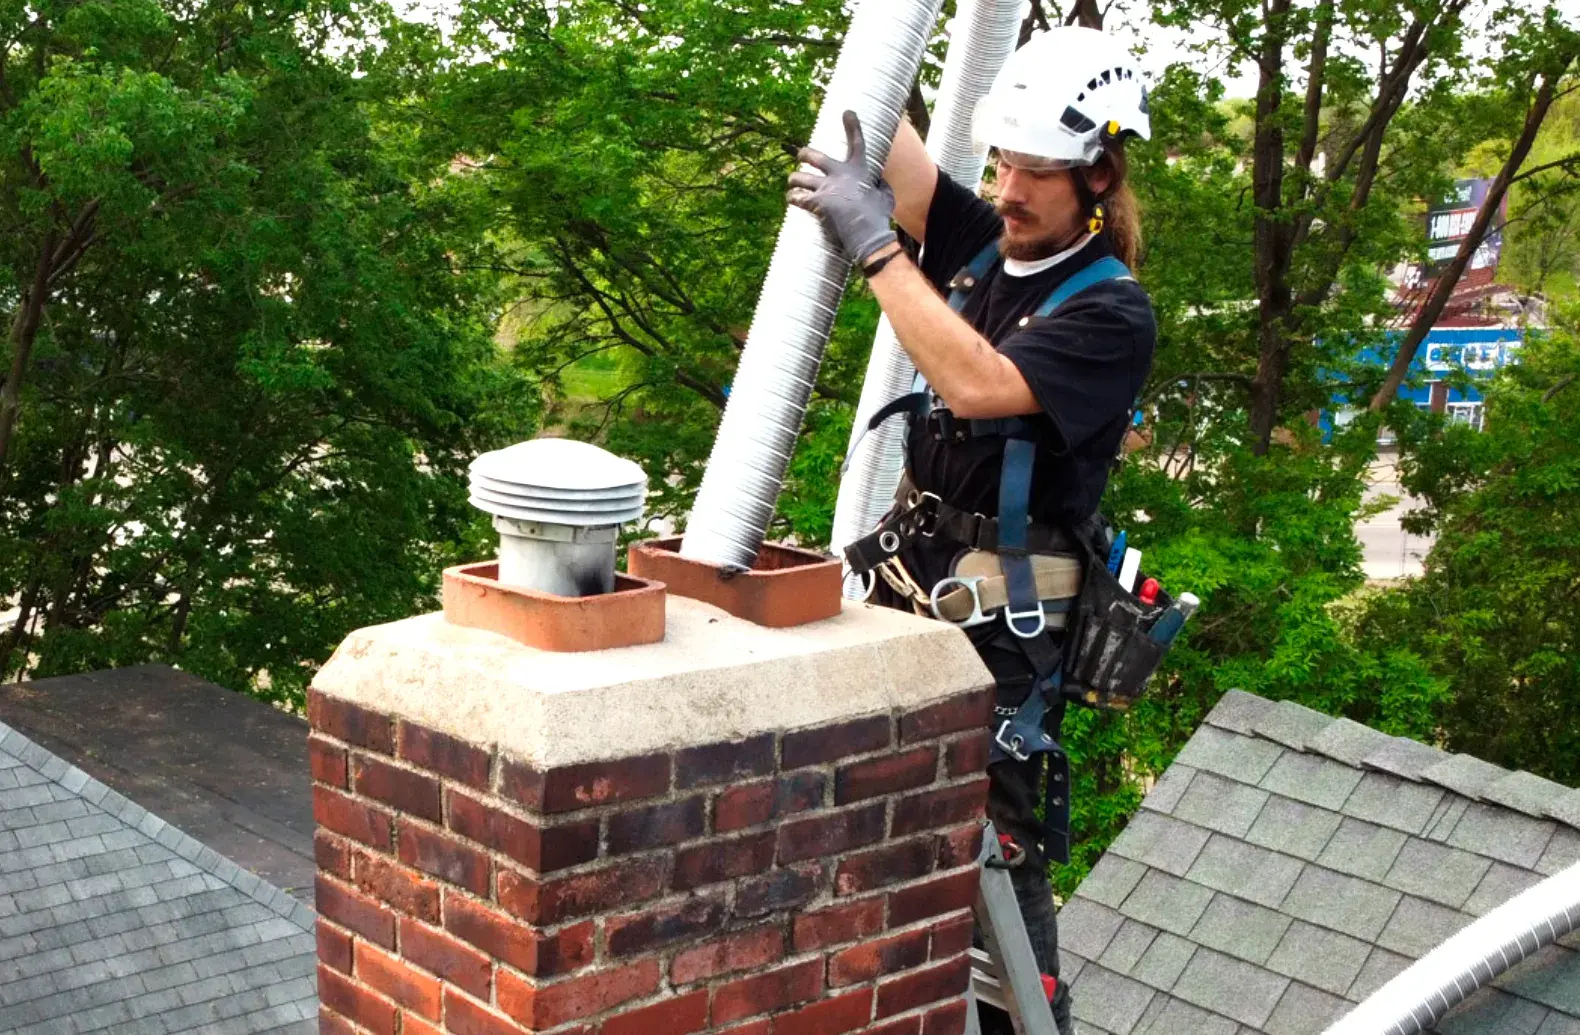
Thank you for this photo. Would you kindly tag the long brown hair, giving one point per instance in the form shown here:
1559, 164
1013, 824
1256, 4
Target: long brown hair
1121, 209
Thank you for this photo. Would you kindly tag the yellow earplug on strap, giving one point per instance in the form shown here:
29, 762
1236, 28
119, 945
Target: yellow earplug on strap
1095, 224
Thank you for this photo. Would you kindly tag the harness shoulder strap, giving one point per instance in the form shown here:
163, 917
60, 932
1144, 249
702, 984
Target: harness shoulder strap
1106, 268
965, 281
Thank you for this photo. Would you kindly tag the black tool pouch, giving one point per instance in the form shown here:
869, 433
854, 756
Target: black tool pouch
1109, 653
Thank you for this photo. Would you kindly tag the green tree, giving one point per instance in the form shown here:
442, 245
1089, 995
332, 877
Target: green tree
249, 356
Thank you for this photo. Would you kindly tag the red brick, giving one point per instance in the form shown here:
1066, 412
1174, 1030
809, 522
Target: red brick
443, 754
890, 864
406, 790
766, 992
573, 998
904, 1026
723, 860
750, 1028
332, 854
573, 787
657, 825
357, 912
944, 807
333, 1024
843, 740
354, 1002
967, 755
742, 950
920, 987
547, 901
526, 948
935, 897
334, 947
886, 774
873, 959
396, 886
678, 1016
825, 835
965, 712
464, 1017
959, 846
838, 925
722, 763
443, 856
754, 803
327, 762
951, 938
438, 953
828, 1017
949, 1019
411, 1024
779, 889
398, 980
345, 721
346, 815
544, 849
663, 925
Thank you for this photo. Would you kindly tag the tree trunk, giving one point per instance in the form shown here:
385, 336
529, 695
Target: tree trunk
1437, 300
1272, 240
24, 329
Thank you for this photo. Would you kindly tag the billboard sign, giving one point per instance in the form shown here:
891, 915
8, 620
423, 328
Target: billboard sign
1448, 222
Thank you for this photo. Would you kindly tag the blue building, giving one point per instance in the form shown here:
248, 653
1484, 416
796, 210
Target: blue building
1436, 380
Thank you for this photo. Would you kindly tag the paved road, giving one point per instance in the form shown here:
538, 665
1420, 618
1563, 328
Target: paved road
1390, 553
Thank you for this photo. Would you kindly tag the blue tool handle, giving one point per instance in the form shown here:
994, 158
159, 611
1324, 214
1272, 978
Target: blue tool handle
1116, 555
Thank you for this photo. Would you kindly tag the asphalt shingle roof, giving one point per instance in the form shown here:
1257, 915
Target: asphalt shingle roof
112, 920
1289, 864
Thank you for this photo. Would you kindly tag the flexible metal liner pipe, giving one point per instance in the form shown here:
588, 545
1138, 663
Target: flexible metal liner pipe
1419, 996
806, 279
984, 34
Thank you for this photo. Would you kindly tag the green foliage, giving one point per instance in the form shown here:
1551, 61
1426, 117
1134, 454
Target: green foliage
259, 361
1497, 610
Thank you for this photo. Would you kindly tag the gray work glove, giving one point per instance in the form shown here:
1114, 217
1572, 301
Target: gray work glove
845, 195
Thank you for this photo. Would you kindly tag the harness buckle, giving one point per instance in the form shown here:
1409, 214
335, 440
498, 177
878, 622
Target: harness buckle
1014, 747
1011, 616
971, 584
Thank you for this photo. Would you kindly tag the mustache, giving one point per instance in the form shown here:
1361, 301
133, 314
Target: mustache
1018, 211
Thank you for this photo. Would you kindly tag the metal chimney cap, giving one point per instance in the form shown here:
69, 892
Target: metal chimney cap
558, 481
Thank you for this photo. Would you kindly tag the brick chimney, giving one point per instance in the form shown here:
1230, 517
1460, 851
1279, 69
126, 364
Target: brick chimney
737, 830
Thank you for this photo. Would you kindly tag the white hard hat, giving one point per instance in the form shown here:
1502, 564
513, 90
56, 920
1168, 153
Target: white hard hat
1061, 97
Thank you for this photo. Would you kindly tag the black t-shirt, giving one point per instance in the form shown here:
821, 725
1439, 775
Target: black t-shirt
1085, 365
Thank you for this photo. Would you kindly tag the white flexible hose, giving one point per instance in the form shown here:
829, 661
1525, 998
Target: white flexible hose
806, 279
984, 35
1423, 992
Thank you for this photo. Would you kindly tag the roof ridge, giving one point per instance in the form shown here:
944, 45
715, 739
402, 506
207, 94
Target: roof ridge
1300, 728
76, 781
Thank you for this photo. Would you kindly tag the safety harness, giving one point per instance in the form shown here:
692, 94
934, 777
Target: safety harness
1018, 731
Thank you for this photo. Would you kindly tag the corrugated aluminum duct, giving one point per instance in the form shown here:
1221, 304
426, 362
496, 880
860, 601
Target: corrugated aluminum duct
984, 34
806, 279
1423, 992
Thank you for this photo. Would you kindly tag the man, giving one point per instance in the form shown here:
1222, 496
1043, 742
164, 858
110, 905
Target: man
1036, 372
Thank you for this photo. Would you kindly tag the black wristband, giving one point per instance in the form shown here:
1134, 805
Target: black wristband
873, 268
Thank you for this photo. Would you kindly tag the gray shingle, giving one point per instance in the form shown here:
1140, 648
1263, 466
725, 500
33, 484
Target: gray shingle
1347, 741
1562, 852
1550, 977
1419, 926
1489, 1011
1167, 902
1440, 873
1292, 725
1240, 928
1320, 957
1238, 711
1086, 927
1363, 849
1164, 961
1220, 804
1245, 759
1404, 758
1293, 827
1381, 967
1229, 986
1166, 793
1110, 1000
1560, 1024
1499, 885
1525, 792
1312, 779
1177, 1017
1340, 902
1466, 775
1305, 1011
1446, 817
1125, 948
1566, 809
1496, 832
1245, 870
1161, 842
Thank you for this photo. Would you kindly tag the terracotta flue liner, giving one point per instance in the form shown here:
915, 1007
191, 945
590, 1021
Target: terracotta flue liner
785, 586
633, 613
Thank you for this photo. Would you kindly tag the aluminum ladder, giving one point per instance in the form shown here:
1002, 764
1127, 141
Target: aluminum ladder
1006, 974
